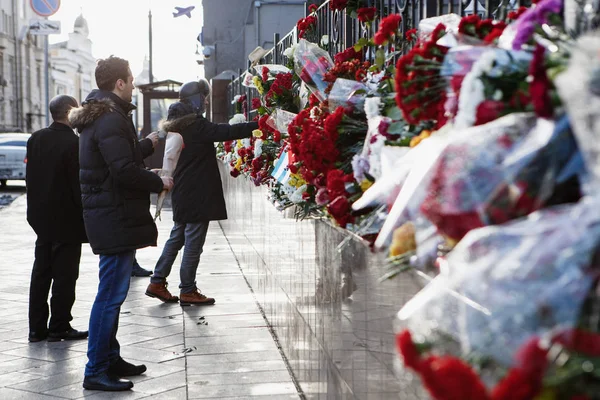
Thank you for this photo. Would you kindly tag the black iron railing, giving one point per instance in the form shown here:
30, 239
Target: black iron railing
344, 31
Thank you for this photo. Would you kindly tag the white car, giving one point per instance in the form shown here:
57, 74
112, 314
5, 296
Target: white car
13, 153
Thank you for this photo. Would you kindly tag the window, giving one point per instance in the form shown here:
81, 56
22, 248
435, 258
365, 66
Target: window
38, 75
13, 143
11, 70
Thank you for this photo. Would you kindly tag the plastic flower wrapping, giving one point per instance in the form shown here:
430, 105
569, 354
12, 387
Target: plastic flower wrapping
311, 63
505, 292
506, 170
513, 312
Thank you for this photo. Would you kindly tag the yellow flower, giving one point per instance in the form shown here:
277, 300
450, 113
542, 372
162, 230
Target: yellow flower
238, 164
403, 240
239, 144
257, 133
258, 83
417, 139
296, 180
365, 184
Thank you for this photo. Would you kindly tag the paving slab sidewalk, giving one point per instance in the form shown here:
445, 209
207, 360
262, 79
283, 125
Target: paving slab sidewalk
224, 351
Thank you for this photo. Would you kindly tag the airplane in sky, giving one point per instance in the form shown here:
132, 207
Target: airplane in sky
183, 11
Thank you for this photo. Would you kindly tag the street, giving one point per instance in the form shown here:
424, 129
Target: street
224, 351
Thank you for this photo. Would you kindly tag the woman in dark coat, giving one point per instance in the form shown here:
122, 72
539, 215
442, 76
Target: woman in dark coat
197, 196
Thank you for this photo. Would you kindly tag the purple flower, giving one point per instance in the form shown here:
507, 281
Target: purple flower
360, 166
533, 17
524, 33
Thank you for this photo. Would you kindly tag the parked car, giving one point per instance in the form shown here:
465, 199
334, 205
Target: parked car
13, 153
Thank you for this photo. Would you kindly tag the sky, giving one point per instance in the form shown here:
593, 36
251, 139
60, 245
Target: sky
120, 27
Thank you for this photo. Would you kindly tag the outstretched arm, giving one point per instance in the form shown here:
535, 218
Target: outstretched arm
224, 132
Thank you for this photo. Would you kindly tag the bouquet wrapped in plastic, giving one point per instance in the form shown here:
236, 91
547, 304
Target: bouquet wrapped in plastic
311, 63
173, 148
508, 310
579, 89
506, 172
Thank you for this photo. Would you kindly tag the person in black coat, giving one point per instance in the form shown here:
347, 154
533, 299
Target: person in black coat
115, 189
197, 196
54, 212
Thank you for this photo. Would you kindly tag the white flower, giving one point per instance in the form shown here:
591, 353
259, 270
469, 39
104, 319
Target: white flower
246, 142
296, 197
237, 119
324, 40
258, 148
372, 107
315, 112
236, 99
289, 52
375, 156
472, 91
498, 95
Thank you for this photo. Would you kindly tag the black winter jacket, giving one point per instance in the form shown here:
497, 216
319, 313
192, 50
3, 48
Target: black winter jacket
115, 188
53, 196
198, 192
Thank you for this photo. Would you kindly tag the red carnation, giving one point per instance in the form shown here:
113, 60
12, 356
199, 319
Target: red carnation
387, 28
347, 55
313, 8
234, 172
516, 385
256, 103
336, 183
449, 378
495, 33
340, 210
540, 85
265, 74
409, 351
487, 111
411, 34
579, 341
338, 4
516, 14
366, 14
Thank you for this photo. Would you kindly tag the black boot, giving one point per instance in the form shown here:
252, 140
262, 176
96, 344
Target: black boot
123, 368
106, 382
70, 334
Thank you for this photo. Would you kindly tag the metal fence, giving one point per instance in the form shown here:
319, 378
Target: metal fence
343, 31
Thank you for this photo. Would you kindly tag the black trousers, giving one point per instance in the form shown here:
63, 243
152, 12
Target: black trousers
56, 265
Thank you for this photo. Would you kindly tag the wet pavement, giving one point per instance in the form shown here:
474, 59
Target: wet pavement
225, 351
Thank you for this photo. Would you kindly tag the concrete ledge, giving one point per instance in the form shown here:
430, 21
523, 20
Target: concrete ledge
332, 316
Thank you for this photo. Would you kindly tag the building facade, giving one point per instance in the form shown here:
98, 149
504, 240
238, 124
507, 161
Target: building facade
229, 35
22, 101
72, 65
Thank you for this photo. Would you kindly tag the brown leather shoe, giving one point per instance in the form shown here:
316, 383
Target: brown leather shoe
160, 291
195, 298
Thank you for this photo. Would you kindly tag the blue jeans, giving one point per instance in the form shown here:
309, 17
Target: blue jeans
103, 347
193, 237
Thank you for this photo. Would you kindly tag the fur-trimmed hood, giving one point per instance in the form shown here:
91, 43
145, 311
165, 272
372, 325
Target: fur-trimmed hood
181, 116
98, 103
178, 124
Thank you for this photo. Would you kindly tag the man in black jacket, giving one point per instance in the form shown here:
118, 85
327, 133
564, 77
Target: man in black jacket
115, 190
54, 212
197, 196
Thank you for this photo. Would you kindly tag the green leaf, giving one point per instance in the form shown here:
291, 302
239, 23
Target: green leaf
392, 55
380, 58
362, 42
262, 110
393, 112
396, 128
